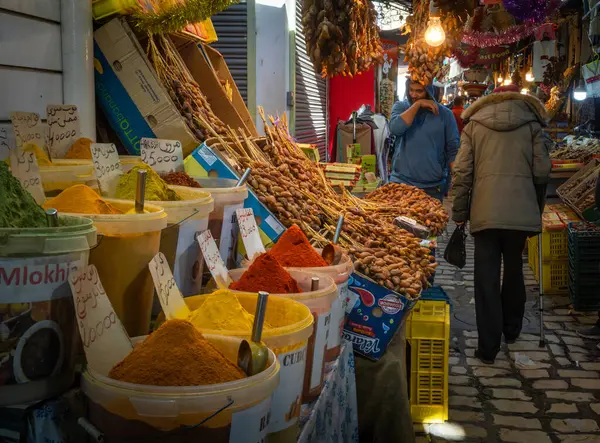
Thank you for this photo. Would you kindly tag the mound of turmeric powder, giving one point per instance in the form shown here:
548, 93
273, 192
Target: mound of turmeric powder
176, 354
80, 149
40, 154
80, 199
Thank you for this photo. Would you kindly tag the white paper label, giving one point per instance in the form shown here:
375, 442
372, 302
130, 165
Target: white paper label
249, 232
5, 144
188, 258
104, 338
287, 399
28, 128
163, 156
25, 168
213, 259
251, 425
107, 166
274, 224
226, 241
168, 293
207, 155
37, 279
321, 337
63, 128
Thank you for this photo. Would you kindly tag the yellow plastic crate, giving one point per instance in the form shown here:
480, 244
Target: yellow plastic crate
555, 273
555, 245
428, 332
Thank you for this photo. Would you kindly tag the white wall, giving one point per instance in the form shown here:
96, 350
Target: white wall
30, 58
272, 57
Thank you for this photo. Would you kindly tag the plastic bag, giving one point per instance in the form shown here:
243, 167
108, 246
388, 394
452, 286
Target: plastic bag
455, 252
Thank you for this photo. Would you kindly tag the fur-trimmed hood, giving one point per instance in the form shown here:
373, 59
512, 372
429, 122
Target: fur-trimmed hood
506, 111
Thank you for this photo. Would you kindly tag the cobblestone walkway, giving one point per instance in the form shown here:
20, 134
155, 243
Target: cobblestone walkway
531, 394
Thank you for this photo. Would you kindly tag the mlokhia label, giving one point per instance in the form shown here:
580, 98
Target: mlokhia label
287, 399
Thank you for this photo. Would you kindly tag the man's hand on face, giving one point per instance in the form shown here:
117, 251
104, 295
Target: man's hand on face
429, 105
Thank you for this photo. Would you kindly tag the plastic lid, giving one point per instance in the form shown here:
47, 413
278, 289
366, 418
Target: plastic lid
75, 234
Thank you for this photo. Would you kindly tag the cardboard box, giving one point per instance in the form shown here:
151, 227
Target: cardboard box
375, 315
311, 151
208, 162
208, 67
128, 91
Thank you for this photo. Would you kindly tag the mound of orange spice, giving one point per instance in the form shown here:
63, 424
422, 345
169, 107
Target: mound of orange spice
293, 250
266, 274
176, 354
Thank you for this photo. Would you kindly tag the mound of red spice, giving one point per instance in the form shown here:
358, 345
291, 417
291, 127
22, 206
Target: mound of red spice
293, 250
180, 179
266, 274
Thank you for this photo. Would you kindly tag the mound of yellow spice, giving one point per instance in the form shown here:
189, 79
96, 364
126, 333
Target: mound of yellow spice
80, 199
176, 354
80, 150
156, 188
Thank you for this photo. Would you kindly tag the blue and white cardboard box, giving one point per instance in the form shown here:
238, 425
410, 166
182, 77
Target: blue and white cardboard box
375, 314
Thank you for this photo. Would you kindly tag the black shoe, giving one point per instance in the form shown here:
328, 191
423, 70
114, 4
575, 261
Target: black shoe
591, 333
510, 341
487, 361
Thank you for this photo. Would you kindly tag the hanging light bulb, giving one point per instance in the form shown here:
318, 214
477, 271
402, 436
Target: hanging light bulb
500, 79
524, 91
434, 35
529, 77
580, 93
507, 82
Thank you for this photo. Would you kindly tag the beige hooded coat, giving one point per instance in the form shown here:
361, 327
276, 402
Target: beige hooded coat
503, 155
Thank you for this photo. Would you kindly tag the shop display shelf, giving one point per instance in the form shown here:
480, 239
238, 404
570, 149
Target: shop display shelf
428, 332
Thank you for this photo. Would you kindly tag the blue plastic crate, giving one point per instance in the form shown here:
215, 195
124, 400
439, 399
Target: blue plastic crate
436, 293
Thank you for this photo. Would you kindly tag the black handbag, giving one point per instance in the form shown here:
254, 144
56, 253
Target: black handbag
455, 252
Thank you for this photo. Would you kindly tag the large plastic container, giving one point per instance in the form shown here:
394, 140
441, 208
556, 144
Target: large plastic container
128, 412
340, 274
64, 173
228, 199
129, 161
288, 338
128, 243
186, 218
38, 329
319, 302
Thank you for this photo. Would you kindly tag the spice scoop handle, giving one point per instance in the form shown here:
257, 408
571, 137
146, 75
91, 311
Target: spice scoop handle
243, 178
253, 355
338, 229
140, 191
52, 217
259, 316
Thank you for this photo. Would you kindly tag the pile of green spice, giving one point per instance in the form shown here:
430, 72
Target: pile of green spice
18, 209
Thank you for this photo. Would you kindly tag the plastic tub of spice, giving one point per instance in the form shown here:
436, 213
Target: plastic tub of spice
38, 326
319, 302
129, 241
288, 326
64, 173
236, 411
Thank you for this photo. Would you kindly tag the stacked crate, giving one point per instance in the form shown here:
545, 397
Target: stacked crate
584, 266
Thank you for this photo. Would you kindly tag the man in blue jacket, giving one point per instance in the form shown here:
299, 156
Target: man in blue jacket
427, 141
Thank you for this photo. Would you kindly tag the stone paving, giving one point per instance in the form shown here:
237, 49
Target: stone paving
530, 394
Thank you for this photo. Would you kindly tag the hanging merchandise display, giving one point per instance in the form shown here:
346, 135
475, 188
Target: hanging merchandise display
591, 75
533, 11
543, 51
341, 37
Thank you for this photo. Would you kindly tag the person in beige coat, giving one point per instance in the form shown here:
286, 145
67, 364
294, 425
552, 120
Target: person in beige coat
500, 175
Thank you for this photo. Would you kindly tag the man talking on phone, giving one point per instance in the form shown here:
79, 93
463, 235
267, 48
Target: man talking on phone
427, 141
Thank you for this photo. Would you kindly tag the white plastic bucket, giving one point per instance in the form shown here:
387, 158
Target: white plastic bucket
128, 243
186, 218
319, 302
64, 173
228, 199
241, 408
38, 329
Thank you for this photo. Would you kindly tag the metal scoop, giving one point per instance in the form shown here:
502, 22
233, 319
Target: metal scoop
140, 191
243, 178
52, 218
332, 254
253, 355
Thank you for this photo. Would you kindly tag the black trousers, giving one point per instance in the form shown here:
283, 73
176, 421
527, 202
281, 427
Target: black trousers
499, 307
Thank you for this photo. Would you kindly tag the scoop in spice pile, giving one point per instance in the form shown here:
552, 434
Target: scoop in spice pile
176, 354
293, 250
266, 274
180, 179
18, 209
156, 188
80, 199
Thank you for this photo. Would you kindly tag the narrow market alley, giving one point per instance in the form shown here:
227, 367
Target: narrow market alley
530, 394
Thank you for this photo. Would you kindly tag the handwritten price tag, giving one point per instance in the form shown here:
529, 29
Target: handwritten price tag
168, 293
249, 232
5, 144
107, 166
25, 168
213, 259
104, 338
163, 156
28, 127
63, 128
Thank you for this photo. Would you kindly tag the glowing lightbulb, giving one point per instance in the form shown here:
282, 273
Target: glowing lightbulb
507, 82
580, 93
524, 91
500, 79
529, 77
435, 35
